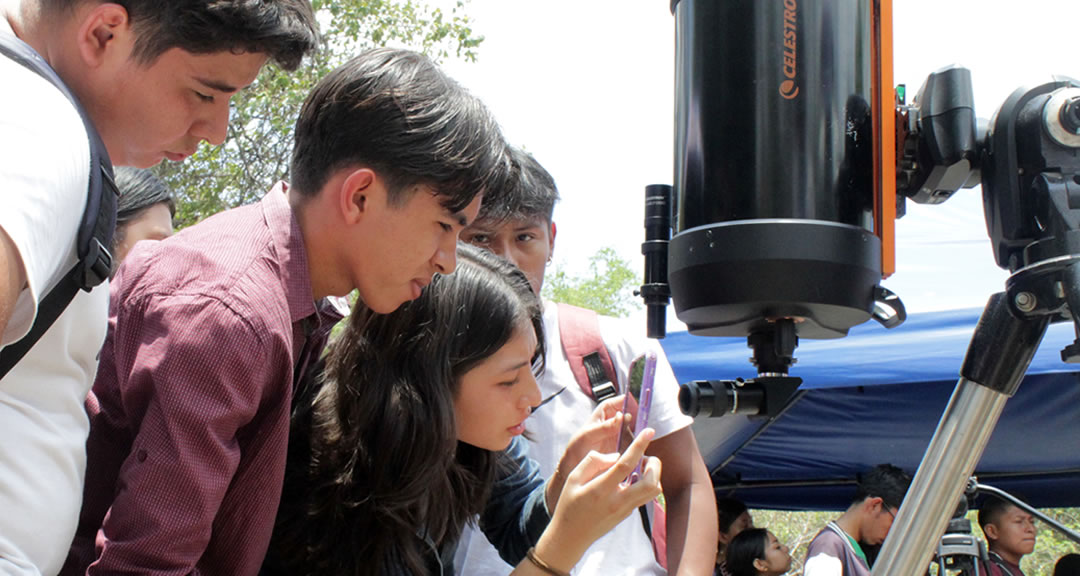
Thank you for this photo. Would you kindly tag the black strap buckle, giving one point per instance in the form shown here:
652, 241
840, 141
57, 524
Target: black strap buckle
602, 387
96, 267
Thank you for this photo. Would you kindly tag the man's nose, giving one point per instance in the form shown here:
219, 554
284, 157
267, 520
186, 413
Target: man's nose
214, 126
445, 258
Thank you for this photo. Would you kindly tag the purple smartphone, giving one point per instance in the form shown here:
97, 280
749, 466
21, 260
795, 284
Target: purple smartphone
640, 386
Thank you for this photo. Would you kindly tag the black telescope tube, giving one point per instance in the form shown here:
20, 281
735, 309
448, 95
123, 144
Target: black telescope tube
655, 290
774, 166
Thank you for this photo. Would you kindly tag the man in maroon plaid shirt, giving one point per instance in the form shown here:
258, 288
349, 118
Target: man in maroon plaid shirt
210, 329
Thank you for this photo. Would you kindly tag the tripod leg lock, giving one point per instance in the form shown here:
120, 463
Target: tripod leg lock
1002, 346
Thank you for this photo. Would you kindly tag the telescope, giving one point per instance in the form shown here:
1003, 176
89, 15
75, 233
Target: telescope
785, 188
794, 155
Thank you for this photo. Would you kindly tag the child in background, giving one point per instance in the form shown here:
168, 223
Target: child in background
732, 518
757, 552
1010, 535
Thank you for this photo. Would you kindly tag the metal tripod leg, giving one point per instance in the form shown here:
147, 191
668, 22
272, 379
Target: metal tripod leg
997, 358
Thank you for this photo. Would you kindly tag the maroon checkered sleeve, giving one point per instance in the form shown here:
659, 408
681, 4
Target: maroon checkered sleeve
196, 401
190, 409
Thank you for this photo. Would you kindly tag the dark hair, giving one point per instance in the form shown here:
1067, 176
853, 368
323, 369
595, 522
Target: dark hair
745, 547
284, 30
139, 190
883, 481
395, 112
991, 509
385, 462
530, 192
727, 511
1067, 565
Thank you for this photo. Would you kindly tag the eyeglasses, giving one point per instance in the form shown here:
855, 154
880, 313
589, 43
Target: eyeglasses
889, 510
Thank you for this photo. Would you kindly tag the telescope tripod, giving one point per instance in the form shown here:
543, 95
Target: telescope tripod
1034, 220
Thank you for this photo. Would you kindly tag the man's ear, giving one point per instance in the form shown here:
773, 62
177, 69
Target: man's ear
551, 240
105, 32
874, 503
991, 532
355, 194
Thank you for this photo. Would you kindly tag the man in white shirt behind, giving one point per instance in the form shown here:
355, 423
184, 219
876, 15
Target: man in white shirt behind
526, 237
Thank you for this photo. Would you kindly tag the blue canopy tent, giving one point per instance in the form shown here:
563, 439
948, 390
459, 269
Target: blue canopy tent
876, 396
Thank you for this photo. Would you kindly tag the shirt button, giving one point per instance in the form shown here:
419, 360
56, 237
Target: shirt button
141, 455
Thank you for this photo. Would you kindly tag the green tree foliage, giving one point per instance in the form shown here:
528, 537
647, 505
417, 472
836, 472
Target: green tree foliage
1051, 544
259, 144
607, 288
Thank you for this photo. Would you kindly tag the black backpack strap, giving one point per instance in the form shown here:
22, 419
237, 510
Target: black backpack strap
645, 524
94, 239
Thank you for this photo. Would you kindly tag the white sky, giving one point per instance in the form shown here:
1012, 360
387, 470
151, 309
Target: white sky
587, 87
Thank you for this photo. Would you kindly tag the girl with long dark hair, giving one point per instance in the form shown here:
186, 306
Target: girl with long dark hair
757, 552
401, 444
732, 518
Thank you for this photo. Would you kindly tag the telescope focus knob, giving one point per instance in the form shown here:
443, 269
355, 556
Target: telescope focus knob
1070, 115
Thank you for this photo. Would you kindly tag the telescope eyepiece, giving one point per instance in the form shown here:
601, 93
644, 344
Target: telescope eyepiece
1070, 115
762, 396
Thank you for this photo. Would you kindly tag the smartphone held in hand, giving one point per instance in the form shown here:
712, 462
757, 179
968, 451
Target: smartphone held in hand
639, 391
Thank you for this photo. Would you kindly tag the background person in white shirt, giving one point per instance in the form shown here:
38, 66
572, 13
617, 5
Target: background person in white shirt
524, 233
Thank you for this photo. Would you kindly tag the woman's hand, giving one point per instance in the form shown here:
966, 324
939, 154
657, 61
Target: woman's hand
599, 434
594, 500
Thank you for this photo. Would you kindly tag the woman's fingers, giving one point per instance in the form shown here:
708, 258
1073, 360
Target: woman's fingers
651, 470
592, 465
597, 435
648, 487
600, 435
597, 499
629, 459
607, 409
614, 468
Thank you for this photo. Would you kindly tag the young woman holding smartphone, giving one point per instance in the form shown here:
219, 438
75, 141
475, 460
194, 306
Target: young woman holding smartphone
405, 439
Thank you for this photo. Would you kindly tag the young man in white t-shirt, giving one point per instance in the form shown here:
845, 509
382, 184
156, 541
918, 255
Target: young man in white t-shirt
526, 236
155, 79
